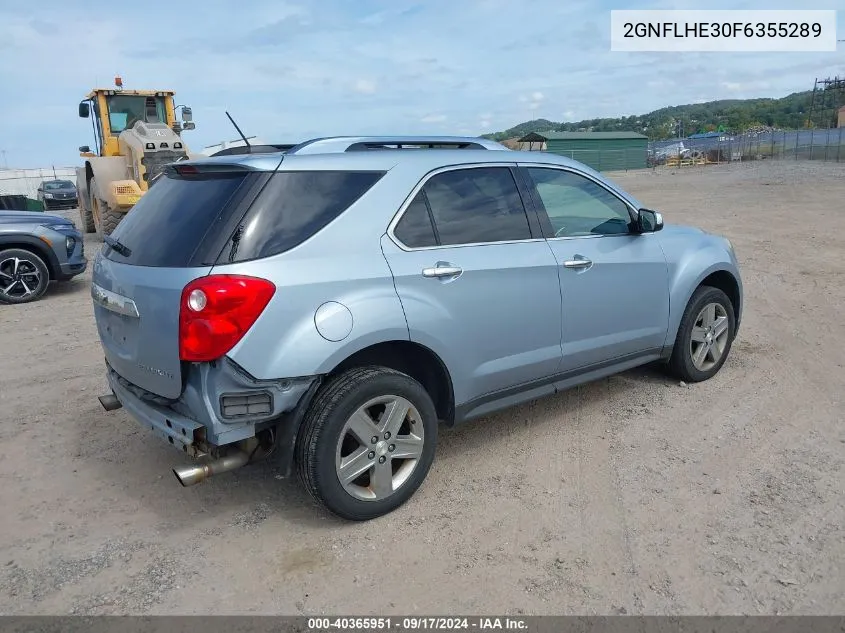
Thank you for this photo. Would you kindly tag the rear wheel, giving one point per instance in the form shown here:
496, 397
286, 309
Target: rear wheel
105, 218
367, 442
24, 276
704, 337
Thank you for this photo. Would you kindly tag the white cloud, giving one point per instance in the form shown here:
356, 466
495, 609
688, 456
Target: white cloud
365, 86
433, 118
288, 69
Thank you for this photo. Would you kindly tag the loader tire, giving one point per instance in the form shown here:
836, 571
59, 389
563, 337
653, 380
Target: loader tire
106, 219
86, 216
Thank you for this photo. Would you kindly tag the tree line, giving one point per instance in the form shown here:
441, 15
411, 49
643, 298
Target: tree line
732, 116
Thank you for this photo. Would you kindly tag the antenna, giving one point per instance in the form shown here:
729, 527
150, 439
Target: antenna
243, 136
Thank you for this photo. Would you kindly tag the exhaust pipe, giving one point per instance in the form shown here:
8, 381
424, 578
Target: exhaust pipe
110, 402
191, 475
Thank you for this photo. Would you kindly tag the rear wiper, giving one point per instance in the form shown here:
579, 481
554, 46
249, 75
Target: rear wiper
117, 246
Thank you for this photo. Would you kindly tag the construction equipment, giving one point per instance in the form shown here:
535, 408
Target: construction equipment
136, 135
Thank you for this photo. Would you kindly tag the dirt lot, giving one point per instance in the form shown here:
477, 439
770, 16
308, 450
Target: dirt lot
630, 495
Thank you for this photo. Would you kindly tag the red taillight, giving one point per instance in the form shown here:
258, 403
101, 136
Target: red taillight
216, 311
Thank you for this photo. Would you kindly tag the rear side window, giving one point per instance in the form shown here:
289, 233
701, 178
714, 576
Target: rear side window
170, 221
292, 207
414, 229
476, 205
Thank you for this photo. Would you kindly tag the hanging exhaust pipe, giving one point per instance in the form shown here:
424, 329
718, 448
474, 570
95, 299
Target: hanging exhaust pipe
191, 475
110, 402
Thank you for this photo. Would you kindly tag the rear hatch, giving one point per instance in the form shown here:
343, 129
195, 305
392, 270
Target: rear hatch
170, 237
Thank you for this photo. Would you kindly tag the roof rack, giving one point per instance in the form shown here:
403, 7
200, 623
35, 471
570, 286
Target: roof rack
339, 144
265, 148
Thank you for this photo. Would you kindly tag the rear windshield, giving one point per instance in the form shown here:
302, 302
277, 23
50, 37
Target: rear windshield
293, 206
171, 220
180, 222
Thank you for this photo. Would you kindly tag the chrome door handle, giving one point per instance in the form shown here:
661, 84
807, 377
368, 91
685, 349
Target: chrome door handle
442, 271
577, 263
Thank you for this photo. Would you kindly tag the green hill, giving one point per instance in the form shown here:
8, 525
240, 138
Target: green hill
730, 115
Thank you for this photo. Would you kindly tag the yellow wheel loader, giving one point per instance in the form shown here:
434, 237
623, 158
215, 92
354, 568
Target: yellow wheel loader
136, 135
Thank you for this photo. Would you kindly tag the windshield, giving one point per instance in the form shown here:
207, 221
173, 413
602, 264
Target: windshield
125, 110
58, 184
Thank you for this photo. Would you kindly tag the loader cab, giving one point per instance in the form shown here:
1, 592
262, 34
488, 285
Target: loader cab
114, 110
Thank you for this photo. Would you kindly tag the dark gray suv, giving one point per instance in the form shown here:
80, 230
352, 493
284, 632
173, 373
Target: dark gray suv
36, 249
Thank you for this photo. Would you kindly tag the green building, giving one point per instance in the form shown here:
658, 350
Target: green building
603, 151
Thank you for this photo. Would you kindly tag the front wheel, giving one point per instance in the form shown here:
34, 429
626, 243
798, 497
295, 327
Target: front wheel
367, 442
24, 276
705, 336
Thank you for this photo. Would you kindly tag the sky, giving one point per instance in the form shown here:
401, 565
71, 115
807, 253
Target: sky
289, 70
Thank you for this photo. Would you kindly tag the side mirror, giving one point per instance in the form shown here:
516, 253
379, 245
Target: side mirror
649, 221
187, 114
190, 125
84, 149
84, 110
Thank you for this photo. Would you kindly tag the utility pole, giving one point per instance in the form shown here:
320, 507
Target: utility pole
5, 164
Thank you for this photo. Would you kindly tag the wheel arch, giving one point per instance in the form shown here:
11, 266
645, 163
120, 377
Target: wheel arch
720, 276
34, 245
415, 360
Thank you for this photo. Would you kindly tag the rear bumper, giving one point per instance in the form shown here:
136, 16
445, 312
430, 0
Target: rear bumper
182, 433
194, 424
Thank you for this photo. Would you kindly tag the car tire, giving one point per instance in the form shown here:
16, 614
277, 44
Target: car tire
330, 443
705, 336
25, 288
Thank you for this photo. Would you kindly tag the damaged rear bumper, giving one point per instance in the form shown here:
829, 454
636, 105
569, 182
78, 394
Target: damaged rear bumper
216, 409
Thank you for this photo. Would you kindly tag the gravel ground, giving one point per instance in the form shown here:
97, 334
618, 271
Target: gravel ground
632, 494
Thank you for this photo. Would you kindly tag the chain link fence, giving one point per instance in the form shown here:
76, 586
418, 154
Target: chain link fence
824, 145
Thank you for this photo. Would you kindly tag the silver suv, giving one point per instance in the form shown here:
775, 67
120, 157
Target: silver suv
330, 304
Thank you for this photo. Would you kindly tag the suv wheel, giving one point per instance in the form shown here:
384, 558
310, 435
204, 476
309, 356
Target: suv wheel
367, 442
24, 276
704, 336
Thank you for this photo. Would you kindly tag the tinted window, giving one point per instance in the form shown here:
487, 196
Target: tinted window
414, 229
293, 207
577, 206
170, 221
477, 205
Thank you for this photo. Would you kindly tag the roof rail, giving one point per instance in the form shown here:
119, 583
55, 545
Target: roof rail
340, 144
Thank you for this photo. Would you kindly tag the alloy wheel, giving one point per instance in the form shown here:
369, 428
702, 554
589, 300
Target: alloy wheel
19, 278
709, 337
379, 447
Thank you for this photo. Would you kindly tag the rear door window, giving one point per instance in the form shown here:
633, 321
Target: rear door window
169, 223
476, 205
293, 206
